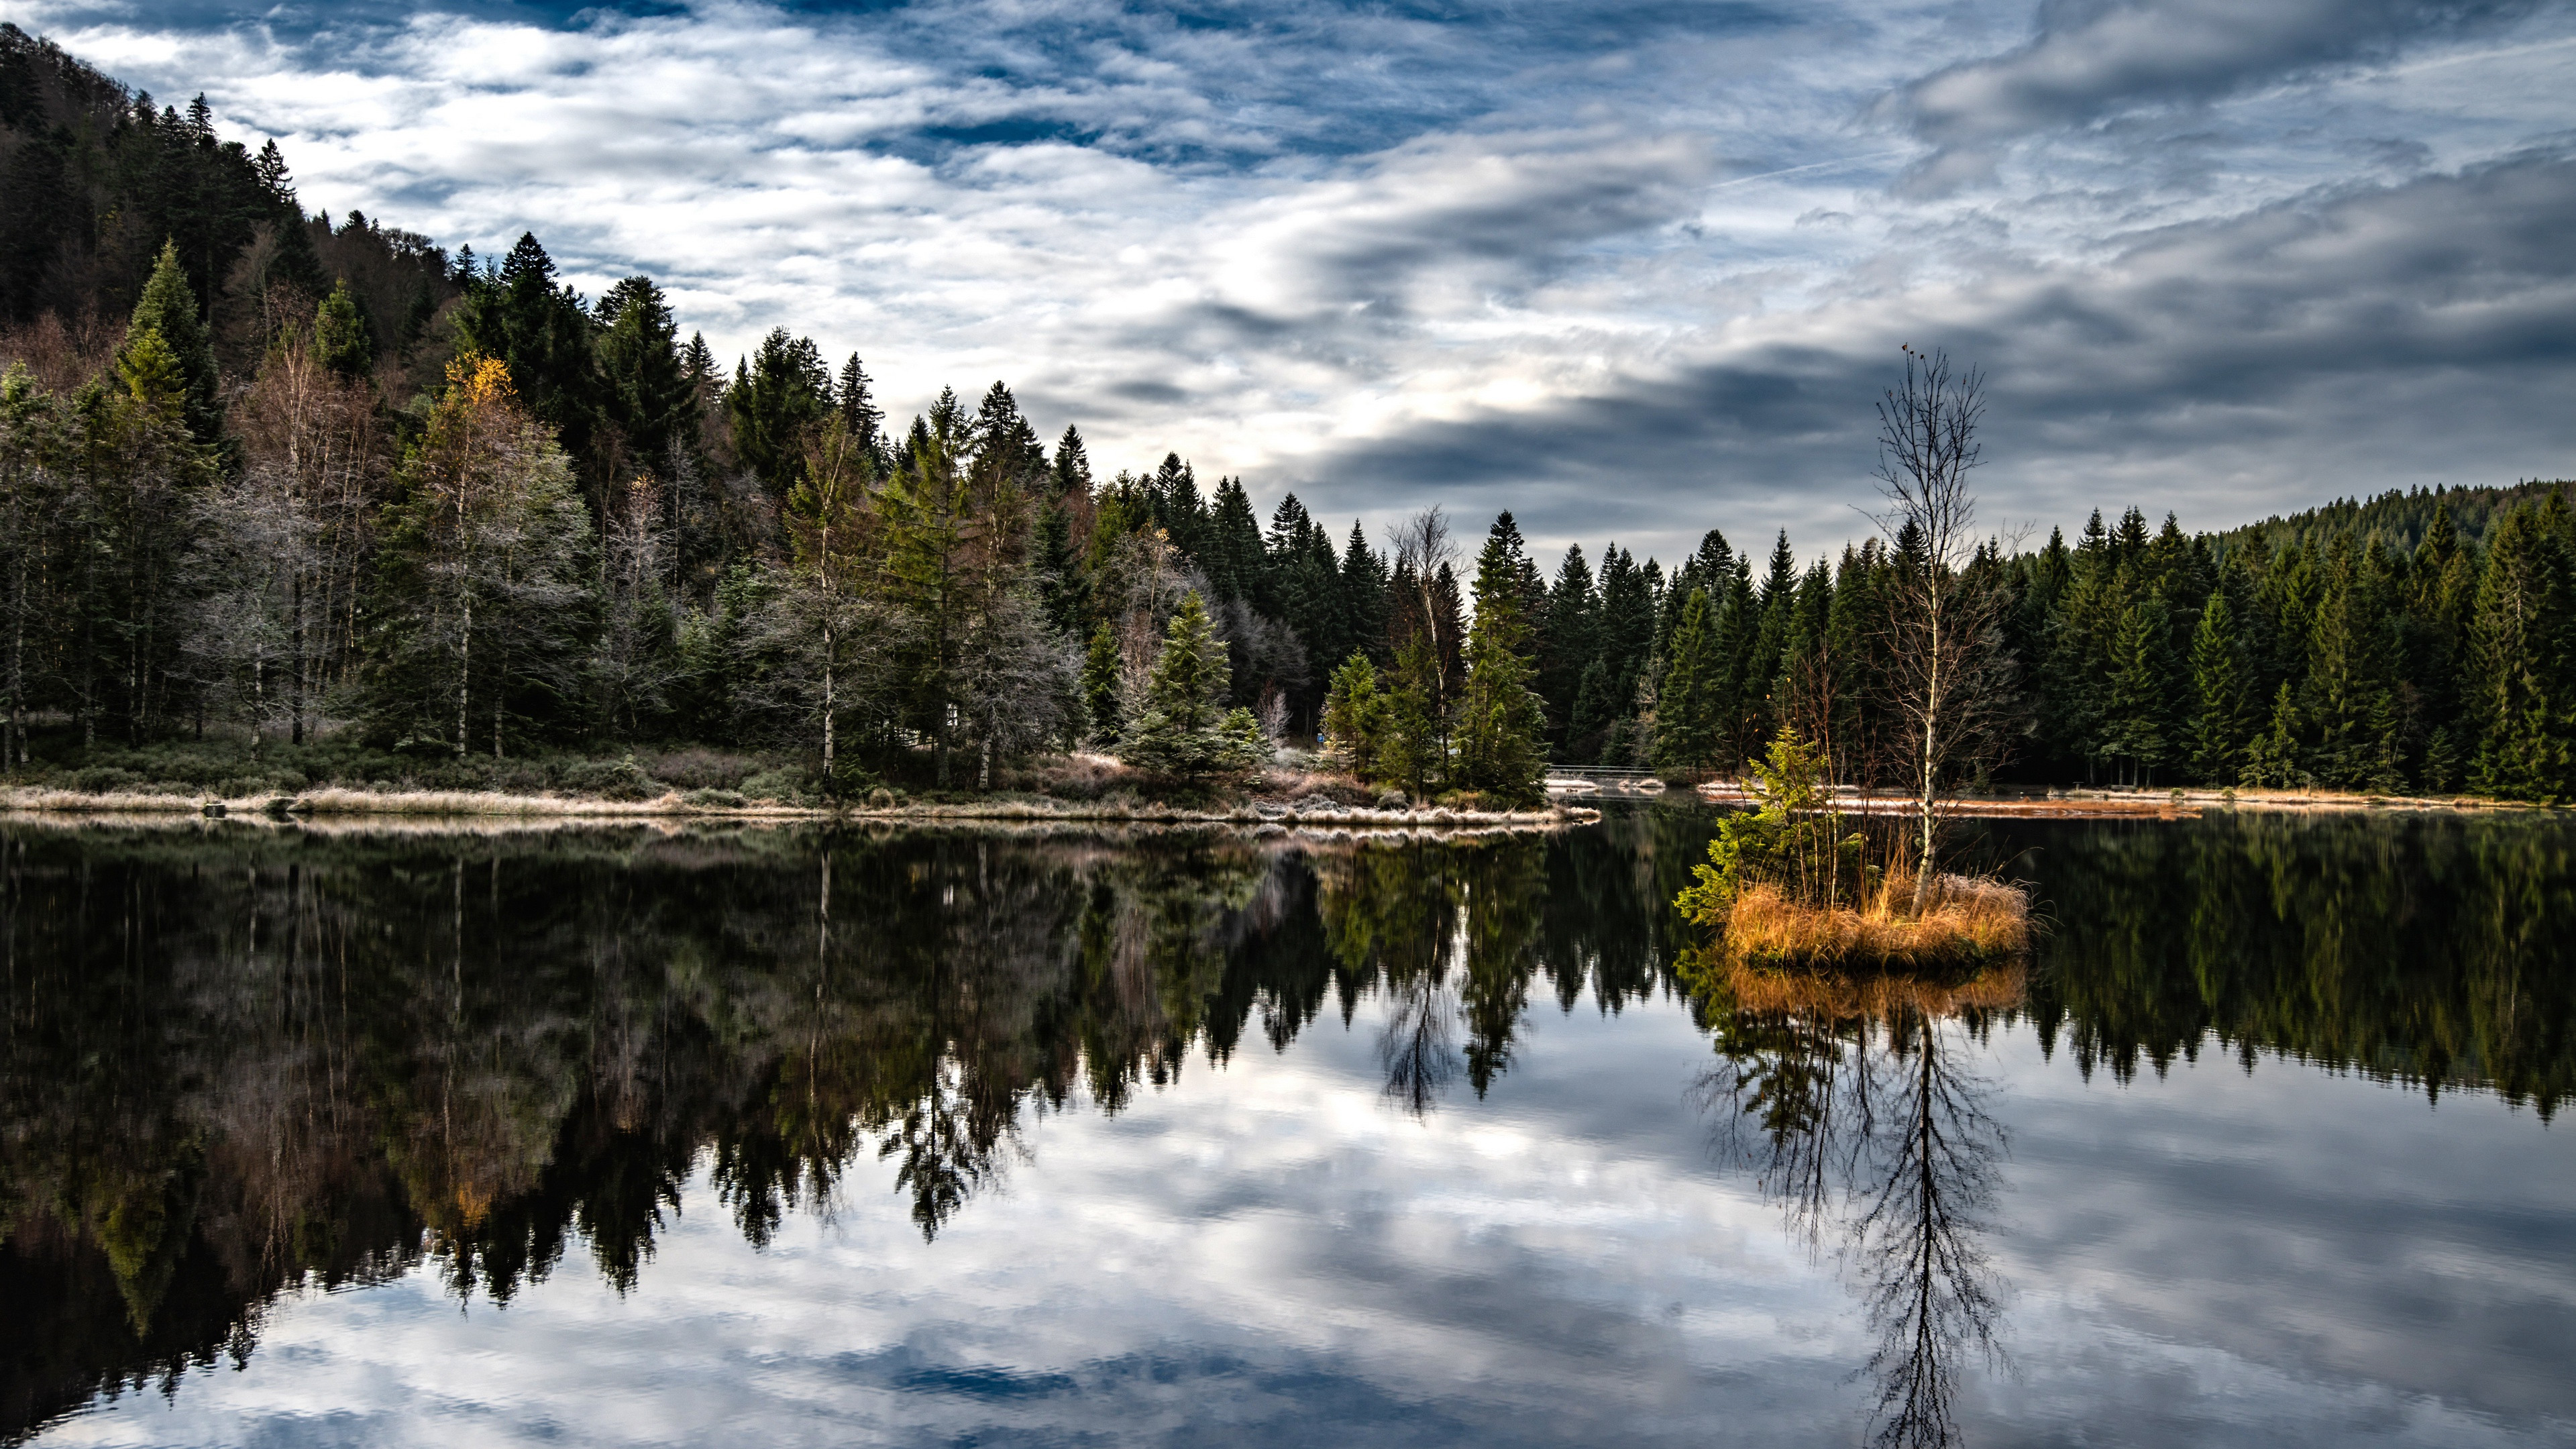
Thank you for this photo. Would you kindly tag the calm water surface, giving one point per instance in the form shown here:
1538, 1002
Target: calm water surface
621, 1137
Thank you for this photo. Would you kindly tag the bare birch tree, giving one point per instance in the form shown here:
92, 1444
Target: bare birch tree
1946, 666
282, 548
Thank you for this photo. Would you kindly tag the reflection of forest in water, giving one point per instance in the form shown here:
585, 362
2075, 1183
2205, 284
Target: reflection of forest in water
238, 1060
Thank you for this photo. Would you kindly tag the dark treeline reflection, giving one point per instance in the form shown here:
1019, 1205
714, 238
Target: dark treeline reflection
2436, 950
238, 1060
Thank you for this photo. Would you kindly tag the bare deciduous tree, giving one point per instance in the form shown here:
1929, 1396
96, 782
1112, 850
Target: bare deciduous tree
1946, 666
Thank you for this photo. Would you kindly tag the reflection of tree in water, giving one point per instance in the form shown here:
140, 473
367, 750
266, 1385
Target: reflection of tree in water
1855, 1104
239, 1059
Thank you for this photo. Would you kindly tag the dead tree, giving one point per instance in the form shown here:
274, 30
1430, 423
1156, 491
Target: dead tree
1947, 671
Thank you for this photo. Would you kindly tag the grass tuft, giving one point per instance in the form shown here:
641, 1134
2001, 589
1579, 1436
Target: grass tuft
1970, 923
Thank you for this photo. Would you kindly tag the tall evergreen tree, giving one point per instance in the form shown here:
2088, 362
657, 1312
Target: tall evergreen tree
645, 393
1688, 725
168, 312
2224, 716
2519, 643
1501, 726
778, 393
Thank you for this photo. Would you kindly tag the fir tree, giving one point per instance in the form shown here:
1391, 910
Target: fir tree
1181, 727
1355, 719
2519, 652
1688, 726
1101, 670
342, 340
1501, 726
168, 311
645, 391
2219, 689
779, 392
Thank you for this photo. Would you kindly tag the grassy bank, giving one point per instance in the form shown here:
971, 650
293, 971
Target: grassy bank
330, 781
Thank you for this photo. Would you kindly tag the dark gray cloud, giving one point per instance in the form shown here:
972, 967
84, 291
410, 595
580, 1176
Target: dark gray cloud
2091, 59
2346, 341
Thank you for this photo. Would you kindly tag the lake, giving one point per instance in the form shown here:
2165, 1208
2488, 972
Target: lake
623, 1136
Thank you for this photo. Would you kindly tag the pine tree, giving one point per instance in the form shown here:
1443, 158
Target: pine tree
1101, 669
1501, 725
1181, 727
168, 312
2519, 656
1688, 726
2219, 688
1355, 719
342, 340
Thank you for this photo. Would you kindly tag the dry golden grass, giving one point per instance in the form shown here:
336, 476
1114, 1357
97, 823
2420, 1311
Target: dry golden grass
1969, 923
1871, 995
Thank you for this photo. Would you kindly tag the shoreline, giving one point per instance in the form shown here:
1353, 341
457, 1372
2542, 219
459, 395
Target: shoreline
341, 806
2106, 803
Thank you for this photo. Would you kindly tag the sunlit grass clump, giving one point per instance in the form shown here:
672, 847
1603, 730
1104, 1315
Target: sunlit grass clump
1966, 923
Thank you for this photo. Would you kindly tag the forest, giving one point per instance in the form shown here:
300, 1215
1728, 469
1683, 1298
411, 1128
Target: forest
309, 483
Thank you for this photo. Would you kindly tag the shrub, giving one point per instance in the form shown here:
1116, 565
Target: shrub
618, 779
779, 786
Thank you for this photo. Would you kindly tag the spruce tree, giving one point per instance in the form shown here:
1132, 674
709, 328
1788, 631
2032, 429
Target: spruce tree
1569, 642
342, 340
1181, 727
2223, 716
2134, 726
1688, 727
168, 311
1233, 561
779, 392
2519, 656
645, 391
1363, 586
1101, 671
1355, 719
1501, 726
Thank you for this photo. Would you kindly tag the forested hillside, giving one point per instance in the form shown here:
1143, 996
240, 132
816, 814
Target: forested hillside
266, 476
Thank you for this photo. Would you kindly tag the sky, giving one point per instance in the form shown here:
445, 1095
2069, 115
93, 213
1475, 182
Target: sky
1631, 269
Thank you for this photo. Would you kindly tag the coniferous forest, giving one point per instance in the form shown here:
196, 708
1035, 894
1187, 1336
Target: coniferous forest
288, 479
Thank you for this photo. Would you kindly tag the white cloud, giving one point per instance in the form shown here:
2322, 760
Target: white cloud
1304, 243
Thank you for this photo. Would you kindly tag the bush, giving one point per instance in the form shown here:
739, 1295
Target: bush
714, 799
100, 779
618, 779
779, 786
698, 768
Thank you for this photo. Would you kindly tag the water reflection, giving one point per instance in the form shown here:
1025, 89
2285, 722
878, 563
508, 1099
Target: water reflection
238, 1060
1859, 1108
